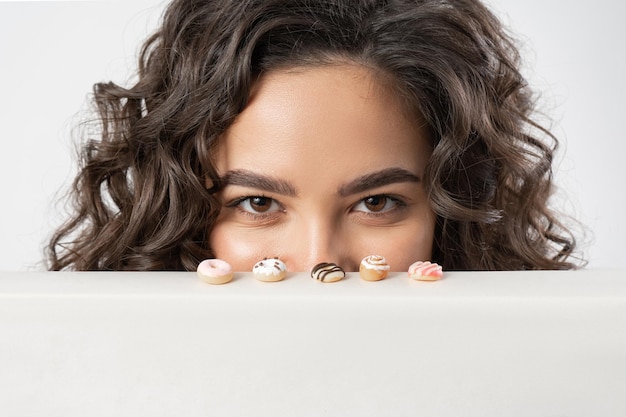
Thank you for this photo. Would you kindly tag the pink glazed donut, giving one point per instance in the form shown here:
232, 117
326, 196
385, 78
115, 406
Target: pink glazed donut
425, 271
215, 271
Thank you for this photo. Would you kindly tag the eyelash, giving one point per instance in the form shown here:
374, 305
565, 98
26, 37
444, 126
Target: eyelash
236, 203
399, 205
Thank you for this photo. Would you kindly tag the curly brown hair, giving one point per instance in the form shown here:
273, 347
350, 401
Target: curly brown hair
141, 197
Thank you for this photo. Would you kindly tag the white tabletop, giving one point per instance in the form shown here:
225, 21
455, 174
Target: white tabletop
527, 284
167, 344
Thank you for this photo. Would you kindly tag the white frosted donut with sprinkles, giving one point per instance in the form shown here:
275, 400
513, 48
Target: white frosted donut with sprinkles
327, 272
270, 270
374, 268
215, 271
425, 271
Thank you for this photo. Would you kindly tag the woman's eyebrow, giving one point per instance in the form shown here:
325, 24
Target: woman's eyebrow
377, 179
251, 179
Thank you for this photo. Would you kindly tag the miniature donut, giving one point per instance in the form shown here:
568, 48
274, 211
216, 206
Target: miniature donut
374, 268
215, 271
425, 271
327, 272
270, 270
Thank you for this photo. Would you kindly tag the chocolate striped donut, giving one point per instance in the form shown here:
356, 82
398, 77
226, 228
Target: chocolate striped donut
327, 272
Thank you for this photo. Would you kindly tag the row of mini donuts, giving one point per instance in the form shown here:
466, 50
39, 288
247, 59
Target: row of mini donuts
372, 268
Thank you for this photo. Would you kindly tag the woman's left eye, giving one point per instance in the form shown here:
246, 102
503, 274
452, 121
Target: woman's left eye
377, 204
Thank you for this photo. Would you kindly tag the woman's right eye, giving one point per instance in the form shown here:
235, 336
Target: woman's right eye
258, 205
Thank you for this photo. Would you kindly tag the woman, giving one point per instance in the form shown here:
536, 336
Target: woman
319, 130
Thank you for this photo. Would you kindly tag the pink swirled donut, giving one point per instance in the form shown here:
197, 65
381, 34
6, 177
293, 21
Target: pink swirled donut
425, 271
215, 271
374, 268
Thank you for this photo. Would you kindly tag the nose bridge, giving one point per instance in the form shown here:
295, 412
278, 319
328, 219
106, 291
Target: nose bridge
319, 241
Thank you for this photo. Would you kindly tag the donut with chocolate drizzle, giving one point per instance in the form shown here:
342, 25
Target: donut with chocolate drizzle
327, 272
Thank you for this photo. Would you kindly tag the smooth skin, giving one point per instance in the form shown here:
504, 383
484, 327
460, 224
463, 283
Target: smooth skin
323, 165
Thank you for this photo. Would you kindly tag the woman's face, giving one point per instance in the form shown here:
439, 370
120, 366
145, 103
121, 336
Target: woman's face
323, 165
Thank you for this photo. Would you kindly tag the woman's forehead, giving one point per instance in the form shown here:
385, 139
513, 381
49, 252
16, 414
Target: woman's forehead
333, 102
335, 119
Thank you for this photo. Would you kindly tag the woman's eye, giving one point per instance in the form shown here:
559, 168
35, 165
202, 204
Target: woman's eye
376, 204
259, 205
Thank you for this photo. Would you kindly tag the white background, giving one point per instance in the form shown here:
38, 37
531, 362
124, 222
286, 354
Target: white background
52, 52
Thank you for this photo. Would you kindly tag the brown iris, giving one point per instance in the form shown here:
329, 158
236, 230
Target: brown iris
375, 203
260, 204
